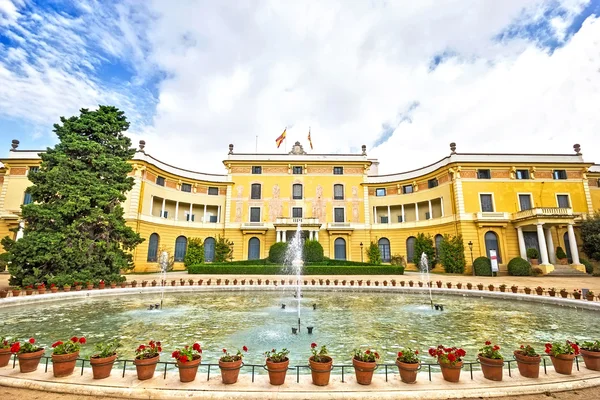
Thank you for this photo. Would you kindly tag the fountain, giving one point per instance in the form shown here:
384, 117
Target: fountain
424, 268
293, 257
163, 262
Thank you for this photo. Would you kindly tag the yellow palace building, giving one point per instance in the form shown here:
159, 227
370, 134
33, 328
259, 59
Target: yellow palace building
502, 202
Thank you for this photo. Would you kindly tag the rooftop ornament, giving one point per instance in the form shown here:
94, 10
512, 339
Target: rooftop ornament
230, 149
452, 148
576, 147
14, 144
364, 150
142, 144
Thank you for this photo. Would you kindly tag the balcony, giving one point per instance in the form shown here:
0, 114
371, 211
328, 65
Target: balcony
295, 221
492, 216
340, 226
180, 223
254, 226
544, 212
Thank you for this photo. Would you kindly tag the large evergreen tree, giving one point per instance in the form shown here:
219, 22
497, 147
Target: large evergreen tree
75, 222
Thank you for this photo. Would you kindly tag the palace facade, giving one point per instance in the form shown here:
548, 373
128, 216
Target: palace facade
502, 202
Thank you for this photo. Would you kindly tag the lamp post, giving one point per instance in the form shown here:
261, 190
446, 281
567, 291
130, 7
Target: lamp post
361, 252
470, 244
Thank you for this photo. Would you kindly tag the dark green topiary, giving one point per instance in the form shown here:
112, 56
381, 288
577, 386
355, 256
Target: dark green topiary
560, 253
519, 267
277, 252
482, 266
532, 253
589, 268
313, 251
195, 252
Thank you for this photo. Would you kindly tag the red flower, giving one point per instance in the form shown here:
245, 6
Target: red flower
74, 339
175, 354
399, 354
368, 352
313, 345
32, 340
142, 347
548, 350
416, 351
183, 358
487, 342
245, 349
451, 357
496, 347
82, 340
197, 348
272, 350
57, 344
522, 346
376, 355
224, 350
432, 352
159, 349
15, 347
158, 344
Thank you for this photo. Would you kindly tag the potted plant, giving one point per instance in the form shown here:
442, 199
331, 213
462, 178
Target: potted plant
491, 361
41, 288
344, 282
439, 284
101, 284
449, 285
563, 293
352, 282
528, 361
576, 294
459, 285
134, 283
450, 360
321, 282
182, 282
146, 358
420, 284
480, 286
561, 256
552, 292
385, 283
154, 283
191, 282
29, 355
469, 285
16, 290
527, 290
4, 351
320, 365
113, 284
365, 364
144, 283
202, 280
64, 356
335, 282
402, 283
533, 255
188, 360
277, 365
174, 282
368, 282
514, 288
539, 290
3, 293
590, 351
491, 288
408, 364
266, 281
411, 283
230, 366
502, 288
590, 295
562, 356
104, 358
78, 286
393, 282
28, 290
53, 288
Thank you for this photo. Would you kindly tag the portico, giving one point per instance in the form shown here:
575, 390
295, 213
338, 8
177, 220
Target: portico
285, 225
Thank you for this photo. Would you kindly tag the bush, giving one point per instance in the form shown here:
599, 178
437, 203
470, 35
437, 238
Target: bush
482, 266
560, 253
451, 254
277, 252
519, 267
223, 249
194, 253
398, 259
590, 236
308, 270
532, 253
313, 251
374, 254
424, 244
589, 268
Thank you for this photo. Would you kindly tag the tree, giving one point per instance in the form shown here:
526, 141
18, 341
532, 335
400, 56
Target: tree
590, 236
424, 244
452, 254
195, 252
76, 222
223, 249
374, 254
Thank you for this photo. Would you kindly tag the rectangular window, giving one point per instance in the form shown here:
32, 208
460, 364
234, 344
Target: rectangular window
165, 214
297, 170
559, 174
432, 183
338, 215
427, 215
27, 198
255, 195
487, 205
297, 192
33, 170
384, 220
186, 187
257, 170
522, 174
399, 218
338, 192
213, 191
254, 214
338, 170
187, 217
406, 189
296, 212
484, 174
525, 201
160, 180
212, 219
380, 192
563, 201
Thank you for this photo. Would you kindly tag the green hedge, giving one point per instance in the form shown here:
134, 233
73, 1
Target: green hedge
277, 252
482, 266
519, 267
239, 269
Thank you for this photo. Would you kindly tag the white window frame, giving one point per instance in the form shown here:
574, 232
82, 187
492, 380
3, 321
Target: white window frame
250, 213
563, 194
530, 197
292, 211
302, 186
493, 201
384, 192
343, 192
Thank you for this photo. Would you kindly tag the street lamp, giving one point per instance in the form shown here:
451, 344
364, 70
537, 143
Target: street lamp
470, 244
361, 252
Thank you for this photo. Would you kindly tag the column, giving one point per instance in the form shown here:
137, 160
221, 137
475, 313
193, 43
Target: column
277, 236
550, 244
542, 244
151, 204
162, 210
311, 235
430, 210
218, 213
191, 211
317, 236
416, 211
442, 205
375, 214
522, 248
573, 245
403, 219
204, 215
177, 210
389, 216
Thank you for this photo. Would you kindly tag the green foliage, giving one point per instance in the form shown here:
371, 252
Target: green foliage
223, 249
313, 251
277, 252
308, 269
75, 221
590, 236
398, 259
194, 253
452, 254
424, 244
532, 253
589, 268
482, 266
560, 253
519, 267
374, 254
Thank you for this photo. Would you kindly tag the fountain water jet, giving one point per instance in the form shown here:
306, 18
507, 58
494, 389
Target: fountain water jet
163, 262
293, 257
424, 268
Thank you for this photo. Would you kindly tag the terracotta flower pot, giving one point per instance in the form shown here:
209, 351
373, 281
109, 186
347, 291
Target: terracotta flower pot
101, 367
64, 364
113, 285
563, 363
527, 291
133, 284
539, 292
4, 357
514, 289
90, 287
145, 367
230, 371
591, 359
101, 285
321, 371
29, 292
42, 290
529, 367
78, 288
552, 293
439, 284
408, 371
364, 371
54, 289
534, 261
277, 371
502, 289
451, 373
3, 294
28, 362
491, 368
564, 295
459, 285
188, 370
15, 293
123, 285
590, 297
411, 284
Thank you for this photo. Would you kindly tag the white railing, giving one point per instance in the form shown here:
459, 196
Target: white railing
544, 212
181, 223
492, 216
295, 221
246, 225
337, 225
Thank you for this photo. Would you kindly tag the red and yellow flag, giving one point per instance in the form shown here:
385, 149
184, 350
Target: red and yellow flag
309, 139
281, 138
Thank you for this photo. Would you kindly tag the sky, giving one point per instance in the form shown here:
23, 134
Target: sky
404, 78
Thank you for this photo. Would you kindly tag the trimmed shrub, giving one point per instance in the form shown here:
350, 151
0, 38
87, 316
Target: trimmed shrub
374, 254
519, 267
532, 253
451, 254
589, 268
590, 236
277, 252
313, 251
223, 249
482, 266
194, 253
308, 270
424, 244
560, 253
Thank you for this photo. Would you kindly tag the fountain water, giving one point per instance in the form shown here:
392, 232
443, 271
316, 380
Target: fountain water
293, 257
424, 268
163, 262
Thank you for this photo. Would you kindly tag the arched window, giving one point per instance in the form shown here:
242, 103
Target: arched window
338, 192
410, 249
568, 247
254, 249
491, 243
384, 249
153, 247
438, 243
209, 249
256, 191
339, 249
297, 191
180, 248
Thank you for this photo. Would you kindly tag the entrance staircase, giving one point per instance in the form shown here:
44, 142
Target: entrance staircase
565, 270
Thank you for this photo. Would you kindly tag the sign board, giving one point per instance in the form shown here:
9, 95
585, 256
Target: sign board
494, 259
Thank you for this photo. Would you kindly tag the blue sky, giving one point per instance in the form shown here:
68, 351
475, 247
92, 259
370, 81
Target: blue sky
402, 78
